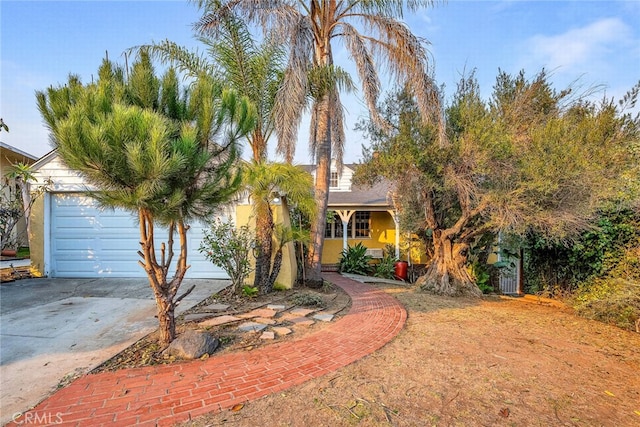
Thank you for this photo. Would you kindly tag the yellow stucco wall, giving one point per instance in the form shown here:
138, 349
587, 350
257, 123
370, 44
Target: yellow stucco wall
36, 239
288, 271
383, 232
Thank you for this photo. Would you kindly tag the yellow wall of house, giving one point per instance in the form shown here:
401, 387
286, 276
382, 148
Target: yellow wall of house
288, 271
36, 239
383, 232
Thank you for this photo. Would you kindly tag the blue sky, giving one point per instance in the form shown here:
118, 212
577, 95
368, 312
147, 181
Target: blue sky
593, 42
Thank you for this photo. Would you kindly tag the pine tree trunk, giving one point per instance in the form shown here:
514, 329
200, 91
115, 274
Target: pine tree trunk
447, 274
166, 319
164, 292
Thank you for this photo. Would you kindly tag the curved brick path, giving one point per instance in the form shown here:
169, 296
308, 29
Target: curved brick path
164, 395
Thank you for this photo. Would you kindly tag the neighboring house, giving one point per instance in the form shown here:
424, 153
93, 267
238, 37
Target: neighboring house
73, 237
8, 157
362, 214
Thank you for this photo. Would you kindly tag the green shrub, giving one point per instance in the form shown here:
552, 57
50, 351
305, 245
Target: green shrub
277, 286
613, 301
355, 260
482, 277
386, 268
228, 247
308, 300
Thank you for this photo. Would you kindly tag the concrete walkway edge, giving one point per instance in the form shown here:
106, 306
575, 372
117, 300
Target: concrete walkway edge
168, 394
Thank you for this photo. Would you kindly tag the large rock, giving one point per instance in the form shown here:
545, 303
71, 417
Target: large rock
193, 345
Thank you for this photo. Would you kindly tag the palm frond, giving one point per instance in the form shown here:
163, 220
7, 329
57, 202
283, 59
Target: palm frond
188, 62
291, 99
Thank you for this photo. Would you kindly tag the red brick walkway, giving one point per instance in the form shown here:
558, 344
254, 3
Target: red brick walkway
164, 395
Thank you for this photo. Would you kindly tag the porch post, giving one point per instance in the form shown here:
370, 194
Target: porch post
345, 216
396, 221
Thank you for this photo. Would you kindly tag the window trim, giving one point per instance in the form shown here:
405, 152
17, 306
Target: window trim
351, 227
334, 178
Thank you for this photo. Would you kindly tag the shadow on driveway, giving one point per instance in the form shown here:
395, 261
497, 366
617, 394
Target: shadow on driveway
53, 328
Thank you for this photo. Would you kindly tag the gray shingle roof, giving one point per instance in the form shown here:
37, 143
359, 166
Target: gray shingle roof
375, 197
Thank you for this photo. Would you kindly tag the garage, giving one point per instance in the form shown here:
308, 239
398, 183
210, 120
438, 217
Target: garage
89, 241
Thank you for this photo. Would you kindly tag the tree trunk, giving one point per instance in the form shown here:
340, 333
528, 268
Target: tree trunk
447, 274
277, 264
166, 319
164, 292
323, 169
264, 243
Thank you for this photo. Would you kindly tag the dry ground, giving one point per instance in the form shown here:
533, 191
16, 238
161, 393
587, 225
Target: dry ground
460, 362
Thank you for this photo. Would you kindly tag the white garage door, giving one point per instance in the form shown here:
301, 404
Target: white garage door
88, 241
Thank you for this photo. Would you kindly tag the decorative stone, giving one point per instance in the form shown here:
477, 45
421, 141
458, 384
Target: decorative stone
217, 307
220, 320
192, 345
276, 307
301, 311
264, 321
302, 321
263, 312
324, 317
267, 335
251, 327
248, 315
196, 316
281, 330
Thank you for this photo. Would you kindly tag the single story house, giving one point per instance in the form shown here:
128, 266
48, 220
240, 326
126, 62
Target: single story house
361, 215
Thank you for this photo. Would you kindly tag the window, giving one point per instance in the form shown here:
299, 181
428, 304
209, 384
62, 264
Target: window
333, 180
362, 224
333, 229
359, 226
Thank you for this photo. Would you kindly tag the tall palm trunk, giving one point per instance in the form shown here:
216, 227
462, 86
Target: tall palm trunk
323, 139
323, 167
264, 243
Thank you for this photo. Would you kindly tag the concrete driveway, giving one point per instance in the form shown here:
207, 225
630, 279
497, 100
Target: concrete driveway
56, 328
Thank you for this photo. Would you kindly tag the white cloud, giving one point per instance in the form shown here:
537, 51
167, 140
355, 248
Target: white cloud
579, 49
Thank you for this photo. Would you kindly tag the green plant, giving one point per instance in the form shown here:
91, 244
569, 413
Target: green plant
354, 259
277, 286
611, 300
386, 268
228, 247
249, 291
482, 277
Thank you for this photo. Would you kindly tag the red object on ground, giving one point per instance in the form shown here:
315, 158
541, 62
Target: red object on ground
400, 270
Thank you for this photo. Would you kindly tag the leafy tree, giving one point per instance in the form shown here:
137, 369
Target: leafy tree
255, 71
531, 158
596, 252
227, 246
14, 207
374, 36
148, 146
264, 183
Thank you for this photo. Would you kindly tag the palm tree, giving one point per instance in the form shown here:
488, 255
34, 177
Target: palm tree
374, 36
265, 183
254, 71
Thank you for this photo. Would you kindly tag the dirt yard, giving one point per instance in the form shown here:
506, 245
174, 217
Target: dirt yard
460, 362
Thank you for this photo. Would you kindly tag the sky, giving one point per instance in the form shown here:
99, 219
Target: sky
584, 43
